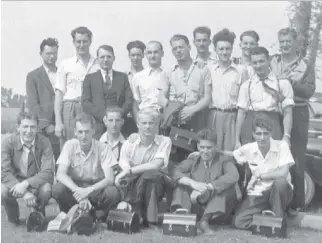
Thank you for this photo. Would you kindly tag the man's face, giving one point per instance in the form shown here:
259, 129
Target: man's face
82, 43
136, 56
27, 130
262, 136
207, 150
202, 42
106, 59
260, 64
113, 122
49, 55
180, 50
84, 133
224, 50
154, 54
147, 125
287, 44
247, 44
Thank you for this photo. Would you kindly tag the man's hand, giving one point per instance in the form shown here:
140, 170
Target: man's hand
50, 129
30, 199
120, 176
19, 189
60, 130
286, 138
199, 186
194, 195
186, 113
85, 204
82, 193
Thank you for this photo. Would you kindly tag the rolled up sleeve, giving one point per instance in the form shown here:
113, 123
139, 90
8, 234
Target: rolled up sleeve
163, 151
61, 79
125, 155
65, 154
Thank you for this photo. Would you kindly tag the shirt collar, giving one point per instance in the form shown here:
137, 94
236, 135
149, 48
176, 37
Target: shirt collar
110, 72
48, 70
232, 65
149, 70
270, 76
273, 147
157, 139
211, 57
104, 139
91, 60
23, 143
175, 66
133, 71
78, 149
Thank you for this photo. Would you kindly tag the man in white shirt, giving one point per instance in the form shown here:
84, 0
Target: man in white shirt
270, 186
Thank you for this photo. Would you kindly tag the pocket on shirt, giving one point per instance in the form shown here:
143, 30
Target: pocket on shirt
75, 163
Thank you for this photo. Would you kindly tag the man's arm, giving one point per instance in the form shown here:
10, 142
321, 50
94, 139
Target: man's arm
306, 87
277, 173
107, 181
128, 96
287, 120
241, 114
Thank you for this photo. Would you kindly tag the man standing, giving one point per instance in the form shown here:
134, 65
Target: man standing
104, 88
270, 186
40, 91
189, 84
201, 39
289, 65
226, 81
70, 77
264, 93
144, 161
27, 169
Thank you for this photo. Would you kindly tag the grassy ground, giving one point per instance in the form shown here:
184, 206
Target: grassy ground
11, 234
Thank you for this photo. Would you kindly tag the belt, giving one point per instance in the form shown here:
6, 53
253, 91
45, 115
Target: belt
224, 110
77, 100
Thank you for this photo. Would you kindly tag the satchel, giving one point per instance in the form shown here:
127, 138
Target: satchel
184, 139
180, 223
123, 222
269, 225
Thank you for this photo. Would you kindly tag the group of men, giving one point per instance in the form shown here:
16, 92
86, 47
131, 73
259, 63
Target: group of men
101, 126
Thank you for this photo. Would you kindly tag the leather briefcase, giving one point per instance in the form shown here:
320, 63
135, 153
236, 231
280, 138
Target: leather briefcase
183, 138
267, 224
180, 223
123, 222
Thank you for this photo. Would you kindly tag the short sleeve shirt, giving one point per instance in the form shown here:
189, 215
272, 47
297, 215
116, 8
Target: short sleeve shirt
114, 148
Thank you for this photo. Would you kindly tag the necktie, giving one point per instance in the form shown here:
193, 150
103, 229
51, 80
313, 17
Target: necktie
208, 172
108, 81
31, 162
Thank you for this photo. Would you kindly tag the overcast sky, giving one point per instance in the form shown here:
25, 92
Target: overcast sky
26, 24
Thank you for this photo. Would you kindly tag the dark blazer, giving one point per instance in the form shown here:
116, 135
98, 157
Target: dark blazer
93, 94
11, 151
41, 96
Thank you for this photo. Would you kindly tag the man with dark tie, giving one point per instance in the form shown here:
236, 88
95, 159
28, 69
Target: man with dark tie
104, 88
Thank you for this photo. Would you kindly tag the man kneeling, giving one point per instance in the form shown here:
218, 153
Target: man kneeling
270, 185
84, 175
206, 182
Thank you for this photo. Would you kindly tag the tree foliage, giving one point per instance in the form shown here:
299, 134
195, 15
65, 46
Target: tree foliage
10, 100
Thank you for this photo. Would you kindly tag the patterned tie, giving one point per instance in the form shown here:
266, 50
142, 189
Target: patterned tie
208, 172
108, 81
31, 161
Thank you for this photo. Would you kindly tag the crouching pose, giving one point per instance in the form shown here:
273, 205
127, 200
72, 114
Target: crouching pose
206, 182
144, 159
270, 185
84, 175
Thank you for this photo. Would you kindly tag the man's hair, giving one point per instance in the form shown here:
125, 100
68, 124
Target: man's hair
53, 42
149, 112
85, 118
251, 33
259, 50
82, 30
156, 42
111, 109
135, 44
202, 30
26, 115
179, 37
106, 48
224, 35
207, 134
287, 31
262, 121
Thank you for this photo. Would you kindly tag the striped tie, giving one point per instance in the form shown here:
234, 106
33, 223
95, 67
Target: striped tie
31, 161
108, 81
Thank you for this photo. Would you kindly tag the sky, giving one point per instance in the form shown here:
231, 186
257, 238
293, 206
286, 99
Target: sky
25, 24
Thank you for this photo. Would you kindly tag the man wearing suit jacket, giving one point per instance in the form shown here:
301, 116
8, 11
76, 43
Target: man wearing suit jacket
104, 88
40, 91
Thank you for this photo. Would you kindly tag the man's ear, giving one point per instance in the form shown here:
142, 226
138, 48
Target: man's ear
105, 120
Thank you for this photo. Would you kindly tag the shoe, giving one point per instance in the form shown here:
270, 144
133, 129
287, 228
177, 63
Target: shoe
83, 223
204, 226
36, 222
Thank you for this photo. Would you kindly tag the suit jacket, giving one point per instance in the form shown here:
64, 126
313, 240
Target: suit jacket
93, 94
41, 96
11, 151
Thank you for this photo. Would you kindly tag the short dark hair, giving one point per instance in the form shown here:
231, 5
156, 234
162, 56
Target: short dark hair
202, 30
111, 109
287, 31
156, 42
135, 44
53, 42
207, 134
82, 30
259, 50
251, 33
84, 118
263, 121
224, 35
179, 37
26, 115
106, 48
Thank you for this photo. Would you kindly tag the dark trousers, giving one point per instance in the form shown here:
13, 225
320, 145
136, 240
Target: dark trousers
299, 138
277, 199
54, 140
104, 199
99, 130
43, 194
129, 127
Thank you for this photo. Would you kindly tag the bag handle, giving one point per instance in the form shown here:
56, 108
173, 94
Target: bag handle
181, 211
268, 213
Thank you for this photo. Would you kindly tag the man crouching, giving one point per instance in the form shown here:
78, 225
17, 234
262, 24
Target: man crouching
206, 182
144, 159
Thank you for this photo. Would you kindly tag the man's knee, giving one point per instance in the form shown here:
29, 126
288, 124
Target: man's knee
241, 221
57, 190
112, 193
280, 184
5, 192
45, 191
